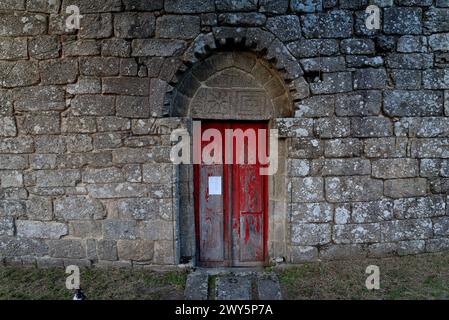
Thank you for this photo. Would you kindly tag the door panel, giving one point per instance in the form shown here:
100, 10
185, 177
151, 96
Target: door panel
231, 226
248, 206
211, 217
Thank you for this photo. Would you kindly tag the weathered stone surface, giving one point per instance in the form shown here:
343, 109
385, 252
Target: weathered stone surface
87, 6
44, 47
436, 20
39, 98
439, 42
312, 212
18, 73
434, 168
286, 28
313, 47
412, 44
85, 229
338, 148
423, 207
61, 71
335, 24
430, 148
107, 250
39, 208
438, 244
323, 64
120, 229
99, 66
395, 168
7, 127
371, 127
333, 83
346, 167
441, 226
127, 86
295, 127
402, 20
413, 103
13, 49
13, 162
406, 79
82, 124
308, 189
244, 5
11, 178
143, 5
134, 25
116, 190
422, 127
133, 107
436, 79
22, 24
189, 6
178, 27
38, 229
361, 103
420, 61
41, 123
403, 188
299, 168
17, 247
137, 250
357, 46
306, 148
56, 178
96, 26
157, 47
78, 208
311, 234
116, 48
357, 188
7, 226
406, 229
156, 230
316, 106
373, 211
370, 78
66, 248
356, 233
93, 105
113, 124
16, 145
81, 48
385, 147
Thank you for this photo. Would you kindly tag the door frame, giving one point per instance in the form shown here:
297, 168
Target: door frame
228, 208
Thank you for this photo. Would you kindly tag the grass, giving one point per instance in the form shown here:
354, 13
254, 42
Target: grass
410, 277
97, 284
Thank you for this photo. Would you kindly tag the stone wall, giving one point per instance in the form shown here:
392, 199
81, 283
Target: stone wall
85, 119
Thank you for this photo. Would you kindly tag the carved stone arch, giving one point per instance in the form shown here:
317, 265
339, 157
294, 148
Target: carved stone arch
265, 45
232, 86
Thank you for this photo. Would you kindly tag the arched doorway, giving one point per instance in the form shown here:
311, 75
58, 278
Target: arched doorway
232, 90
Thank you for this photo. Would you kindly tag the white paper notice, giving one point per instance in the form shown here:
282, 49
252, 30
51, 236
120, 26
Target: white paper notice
214, 186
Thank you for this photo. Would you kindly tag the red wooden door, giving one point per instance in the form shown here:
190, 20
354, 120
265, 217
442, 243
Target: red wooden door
231, 200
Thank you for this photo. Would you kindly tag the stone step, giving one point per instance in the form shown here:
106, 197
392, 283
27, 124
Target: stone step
197, 286
229, 285
233, 287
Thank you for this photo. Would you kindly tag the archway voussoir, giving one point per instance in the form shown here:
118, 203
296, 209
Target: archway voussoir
199, 47
222, 34
258, 39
